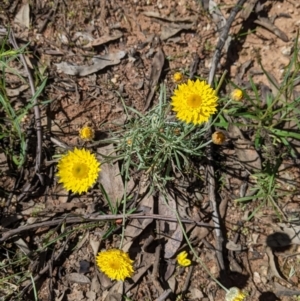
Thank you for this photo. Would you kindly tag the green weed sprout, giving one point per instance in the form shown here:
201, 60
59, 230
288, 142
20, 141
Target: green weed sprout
275, 119
11, 116
272, 120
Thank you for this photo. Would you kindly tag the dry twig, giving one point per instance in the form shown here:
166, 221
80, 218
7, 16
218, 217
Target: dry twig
73, 220
210, 167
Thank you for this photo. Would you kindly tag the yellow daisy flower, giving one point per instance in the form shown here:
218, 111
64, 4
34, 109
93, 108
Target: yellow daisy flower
235, 294
87, 133
182, 259
115, 264
218, 138
194, 102
236, 95
177, 77
78, 170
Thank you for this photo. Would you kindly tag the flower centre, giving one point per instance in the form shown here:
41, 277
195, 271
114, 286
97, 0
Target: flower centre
80, 170
194, 101
115, 265
87, 132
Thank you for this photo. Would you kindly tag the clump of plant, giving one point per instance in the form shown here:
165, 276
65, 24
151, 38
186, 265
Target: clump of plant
160, 144
270, 118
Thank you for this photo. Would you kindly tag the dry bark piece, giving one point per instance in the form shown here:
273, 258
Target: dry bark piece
99, 63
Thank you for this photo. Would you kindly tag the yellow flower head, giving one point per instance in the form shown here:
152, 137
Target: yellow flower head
115, 264
177, 77
182, 259
194, 102
218, 138
235, 294
236, 95
78, 170
87, 133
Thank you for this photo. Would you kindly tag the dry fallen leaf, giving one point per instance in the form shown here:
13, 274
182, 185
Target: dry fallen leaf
173, 243
110, 176
148, 260
172, 29
16, 91
171, 230
99, 63
272, 263
104, 39
135, 227
266, 23
22, 17
216, 14
248, 9
78, 278
114, 293
247, 155
156, 69
292, 232
245, 152
284, 291
230, 245
154, 14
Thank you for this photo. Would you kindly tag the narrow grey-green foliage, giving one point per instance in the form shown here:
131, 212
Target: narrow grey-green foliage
157, 143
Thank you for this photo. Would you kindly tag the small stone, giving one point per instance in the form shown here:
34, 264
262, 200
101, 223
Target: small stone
287, 50
264, 280
233, 70
256, 278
